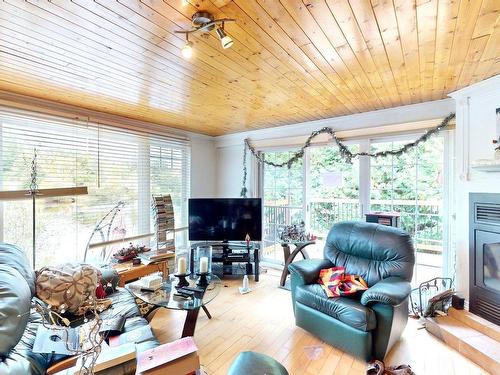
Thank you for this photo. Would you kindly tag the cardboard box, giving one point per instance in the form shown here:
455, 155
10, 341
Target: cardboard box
188, 364
179, 357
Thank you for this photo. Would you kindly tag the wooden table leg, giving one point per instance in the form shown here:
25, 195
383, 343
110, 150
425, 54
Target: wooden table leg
206, 311
190, 322
286, 255
299, 248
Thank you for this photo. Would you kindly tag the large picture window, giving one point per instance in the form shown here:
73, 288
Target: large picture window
323, 189
116, 165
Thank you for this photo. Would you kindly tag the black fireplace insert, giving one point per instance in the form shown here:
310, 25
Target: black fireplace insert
484, 256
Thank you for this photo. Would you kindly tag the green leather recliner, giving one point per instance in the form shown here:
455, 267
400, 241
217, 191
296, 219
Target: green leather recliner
368, 326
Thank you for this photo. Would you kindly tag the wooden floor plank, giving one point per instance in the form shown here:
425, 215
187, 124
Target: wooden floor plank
262, 321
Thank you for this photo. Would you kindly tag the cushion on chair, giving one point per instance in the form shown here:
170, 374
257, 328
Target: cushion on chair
370, 250
13, 256
251, 363
15, 303
23, 361
391, 291
123, 304
347, 310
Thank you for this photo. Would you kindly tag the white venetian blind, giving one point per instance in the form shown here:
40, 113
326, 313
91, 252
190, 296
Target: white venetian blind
115, 164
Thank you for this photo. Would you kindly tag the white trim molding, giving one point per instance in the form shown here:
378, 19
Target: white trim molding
484, 88
390, 116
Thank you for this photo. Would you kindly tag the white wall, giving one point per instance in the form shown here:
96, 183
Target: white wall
203, 167
230, 147
229, 172
476, 128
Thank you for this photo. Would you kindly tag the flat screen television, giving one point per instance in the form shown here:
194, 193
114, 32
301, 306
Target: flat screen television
225, 219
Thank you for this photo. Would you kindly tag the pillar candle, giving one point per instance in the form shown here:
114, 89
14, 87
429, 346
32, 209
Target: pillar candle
181, 266
203, 264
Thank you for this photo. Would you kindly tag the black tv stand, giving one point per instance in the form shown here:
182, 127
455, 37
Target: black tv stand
227, 258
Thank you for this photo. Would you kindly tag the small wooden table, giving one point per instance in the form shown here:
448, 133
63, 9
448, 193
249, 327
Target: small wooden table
128, 272
289, 257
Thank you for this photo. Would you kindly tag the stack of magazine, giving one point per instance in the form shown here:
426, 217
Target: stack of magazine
154, 256
163, 214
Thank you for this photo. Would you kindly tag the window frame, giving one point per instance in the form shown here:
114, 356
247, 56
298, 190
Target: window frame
144, 140
364, 178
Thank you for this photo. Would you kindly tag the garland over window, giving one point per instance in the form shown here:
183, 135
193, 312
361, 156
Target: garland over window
345, 153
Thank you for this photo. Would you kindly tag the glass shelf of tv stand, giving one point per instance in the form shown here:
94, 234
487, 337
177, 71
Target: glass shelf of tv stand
234, 258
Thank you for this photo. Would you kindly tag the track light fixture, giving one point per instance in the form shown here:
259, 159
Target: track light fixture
205, 22
225, 39
187, 50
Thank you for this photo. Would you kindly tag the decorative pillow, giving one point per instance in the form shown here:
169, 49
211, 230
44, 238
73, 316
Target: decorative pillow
15, 303
67, 287
336, 283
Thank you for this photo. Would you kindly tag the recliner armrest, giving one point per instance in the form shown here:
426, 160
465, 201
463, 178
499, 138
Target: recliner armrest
308, 269
391, 291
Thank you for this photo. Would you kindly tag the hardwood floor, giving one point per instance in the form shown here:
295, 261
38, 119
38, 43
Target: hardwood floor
263, 321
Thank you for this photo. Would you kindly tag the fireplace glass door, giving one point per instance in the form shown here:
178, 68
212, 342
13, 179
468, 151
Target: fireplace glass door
488, 260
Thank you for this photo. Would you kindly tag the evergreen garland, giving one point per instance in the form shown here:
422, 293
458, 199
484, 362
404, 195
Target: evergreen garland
345, 153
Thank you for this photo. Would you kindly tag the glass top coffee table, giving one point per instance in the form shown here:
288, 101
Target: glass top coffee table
167, 297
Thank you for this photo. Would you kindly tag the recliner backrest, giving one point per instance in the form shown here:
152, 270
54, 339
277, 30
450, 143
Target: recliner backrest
370, 250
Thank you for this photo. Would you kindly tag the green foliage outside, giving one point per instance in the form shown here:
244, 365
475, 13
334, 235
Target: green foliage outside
411, 184
416, 178
112, 174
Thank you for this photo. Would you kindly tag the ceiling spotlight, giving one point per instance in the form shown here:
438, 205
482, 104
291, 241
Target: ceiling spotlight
205, 22
225, 39
187, 50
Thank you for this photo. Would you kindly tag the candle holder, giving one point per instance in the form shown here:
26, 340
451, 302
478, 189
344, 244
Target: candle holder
182, 279
203, 259
202, 281
181, 263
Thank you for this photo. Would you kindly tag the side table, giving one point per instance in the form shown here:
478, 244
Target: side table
128, 272
289, 257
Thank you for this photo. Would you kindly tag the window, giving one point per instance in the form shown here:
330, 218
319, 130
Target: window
116, 165
412, 185
323, 189
333, 189
283, 201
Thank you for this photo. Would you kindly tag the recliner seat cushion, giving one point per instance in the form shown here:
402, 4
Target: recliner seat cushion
348, 310
372, 251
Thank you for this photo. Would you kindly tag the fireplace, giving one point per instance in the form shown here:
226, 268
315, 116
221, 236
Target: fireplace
484, 256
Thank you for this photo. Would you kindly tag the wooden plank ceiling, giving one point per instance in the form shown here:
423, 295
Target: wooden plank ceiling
292, 60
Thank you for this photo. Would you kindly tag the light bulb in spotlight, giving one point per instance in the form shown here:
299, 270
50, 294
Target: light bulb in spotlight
225, 39
187, 50
226, 42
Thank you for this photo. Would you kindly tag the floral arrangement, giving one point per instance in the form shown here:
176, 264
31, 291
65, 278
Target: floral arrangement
130, 252
295, 233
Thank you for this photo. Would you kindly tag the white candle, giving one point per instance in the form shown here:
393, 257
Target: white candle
181, 266
203, 264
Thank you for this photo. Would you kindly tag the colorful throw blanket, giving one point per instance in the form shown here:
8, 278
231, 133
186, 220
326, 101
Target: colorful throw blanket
336, 283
